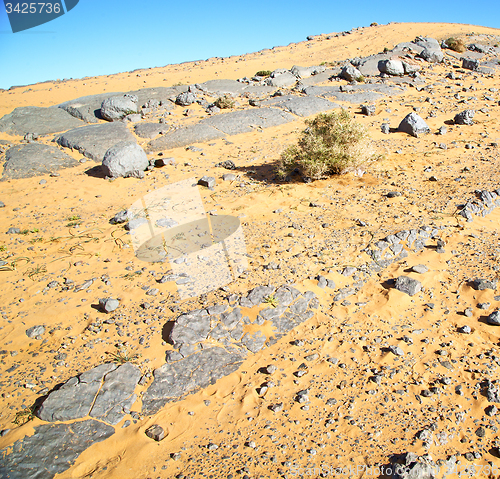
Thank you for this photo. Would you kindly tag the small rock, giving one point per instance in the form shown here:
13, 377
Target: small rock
408, 285
470, 64
414, 125
13, 231
208, 181
108, 305
385, 128
464, 118
396, 350
420, 268
35, 331
155, 432
494, 318
368, 110
465, 329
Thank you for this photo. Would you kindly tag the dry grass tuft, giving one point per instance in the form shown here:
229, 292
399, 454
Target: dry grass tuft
332, 143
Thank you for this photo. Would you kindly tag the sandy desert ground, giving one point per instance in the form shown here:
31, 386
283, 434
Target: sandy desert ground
364, 403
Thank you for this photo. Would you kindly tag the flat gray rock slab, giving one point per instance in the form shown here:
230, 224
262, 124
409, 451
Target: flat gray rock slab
184, 136
259, 91
103, 392
244, 120
87, 108
222, 87
35, 119
302, 106
199, 370
150, 130
161, 94
34, 159
93, 141
321, 77
51, 450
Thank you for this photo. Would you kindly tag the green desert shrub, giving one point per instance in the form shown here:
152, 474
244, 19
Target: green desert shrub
331, 144
456, 45
263, 73
224, 102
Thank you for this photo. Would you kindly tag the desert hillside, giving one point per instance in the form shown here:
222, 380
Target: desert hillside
198, 316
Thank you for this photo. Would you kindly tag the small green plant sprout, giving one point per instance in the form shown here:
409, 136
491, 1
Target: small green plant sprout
332, 143
224, 102
74, 220
123, 355
263, 73
271, 300
35, 271
25, 415
3, 248
455, 44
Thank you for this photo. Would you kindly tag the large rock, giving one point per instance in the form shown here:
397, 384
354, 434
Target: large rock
34, 159
51, 450
118, 107
350, 73
105, 392
34, 119
243, 121
93, 141
199, 370
87, 108
184, 136
391, 67
414, 467
125, 159
414, 125
431, 50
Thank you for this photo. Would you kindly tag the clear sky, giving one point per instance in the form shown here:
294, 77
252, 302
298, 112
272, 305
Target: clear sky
110, 36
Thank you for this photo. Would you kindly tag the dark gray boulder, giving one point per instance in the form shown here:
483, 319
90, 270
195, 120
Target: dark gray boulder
414, 125
431, 50
34, 159
186, 98
105, 392
38, 120
184, 136
391, 67
51, 450
116, 395
350, 73
87, 108
408, 285
93, 141
118, 107
125, 159
150, 130
243, 121
470, 64
494, 318
464, 117
199, 370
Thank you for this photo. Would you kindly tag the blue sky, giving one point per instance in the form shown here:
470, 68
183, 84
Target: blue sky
109, 36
